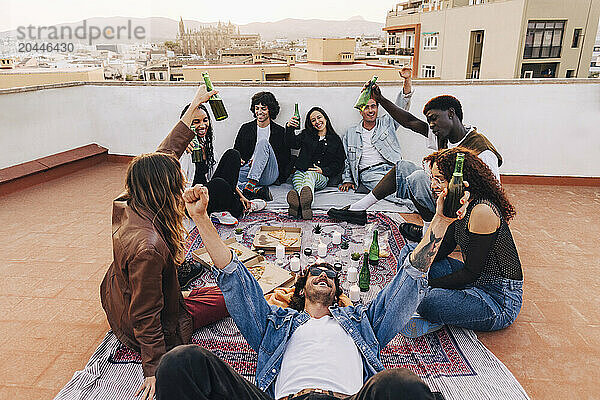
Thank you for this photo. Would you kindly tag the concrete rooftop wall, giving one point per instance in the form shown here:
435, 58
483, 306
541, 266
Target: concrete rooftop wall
540, 128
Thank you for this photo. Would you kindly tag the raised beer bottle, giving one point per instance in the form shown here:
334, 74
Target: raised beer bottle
297, 114
196, 150
216, 103
364, 277
365, 95
456, 189
374, 250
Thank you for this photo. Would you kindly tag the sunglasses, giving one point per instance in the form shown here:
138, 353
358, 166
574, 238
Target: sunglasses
316, 271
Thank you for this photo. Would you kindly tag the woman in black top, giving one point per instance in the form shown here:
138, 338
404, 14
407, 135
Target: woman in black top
484, 292
227, 203
321, 158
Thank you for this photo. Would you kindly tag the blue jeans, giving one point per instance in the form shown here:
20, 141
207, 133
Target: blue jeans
482, 308
262, 167
413, 182
371, 177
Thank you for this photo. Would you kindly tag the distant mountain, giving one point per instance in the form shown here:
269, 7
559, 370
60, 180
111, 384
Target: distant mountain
160, 29
294, 29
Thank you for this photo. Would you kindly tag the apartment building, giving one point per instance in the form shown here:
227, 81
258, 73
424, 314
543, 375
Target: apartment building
20, 77
494, 39
328, 59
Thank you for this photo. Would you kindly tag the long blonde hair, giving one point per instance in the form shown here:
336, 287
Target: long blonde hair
155, 185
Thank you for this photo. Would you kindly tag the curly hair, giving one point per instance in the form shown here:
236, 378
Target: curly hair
297, 301
482, 182
209, 151
311, 129
266, 99
444, 102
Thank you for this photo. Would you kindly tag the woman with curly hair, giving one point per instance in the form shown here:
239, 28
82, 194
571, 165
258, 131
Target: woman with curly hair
320, 160
483, 292
227, 201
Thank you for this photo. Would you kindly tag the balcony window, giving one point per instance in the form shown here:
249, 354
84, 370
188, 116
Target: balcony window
428, 71
576, 37
430, 42
544, 39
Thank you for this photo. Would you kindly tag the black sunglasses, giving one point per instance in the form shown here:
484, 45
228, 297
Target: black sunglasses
316, 271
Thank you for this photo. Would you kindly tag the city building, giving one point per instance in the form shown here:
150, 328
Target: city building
494, 39
253, 55
26, 76
251, 40
208, 41
159, 72
595, 63
330, 50
328, 59
6, 63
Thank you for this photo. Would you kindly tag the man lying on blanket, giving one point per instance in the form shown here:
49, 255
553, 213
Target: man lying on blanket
315, 349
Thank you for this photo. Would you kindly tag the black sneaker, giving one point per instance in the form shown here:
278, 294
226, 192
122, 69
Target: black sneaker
344, 214
262, 192
411, 232
187, 272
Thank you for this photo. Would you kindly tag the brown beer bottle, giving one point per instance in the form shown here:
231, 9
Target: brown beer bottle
216, 103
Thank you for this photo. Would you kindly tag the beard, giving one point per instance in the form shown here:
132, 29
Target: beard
320, 296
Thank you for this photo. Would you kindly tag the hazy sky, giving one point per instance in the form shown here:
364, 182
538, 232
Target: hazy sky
38, 12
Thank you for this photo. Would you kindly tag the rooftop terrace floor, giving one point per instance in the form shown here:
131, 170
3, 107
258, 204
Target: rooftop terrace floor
55, 247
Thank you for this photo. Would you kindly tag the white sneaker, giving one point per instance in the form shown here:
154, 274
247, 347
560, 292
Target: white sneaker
223, 218
257, 205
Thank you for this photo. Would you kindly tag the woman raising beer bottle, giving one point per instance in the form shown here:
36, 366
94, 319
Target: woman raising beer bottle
483, 292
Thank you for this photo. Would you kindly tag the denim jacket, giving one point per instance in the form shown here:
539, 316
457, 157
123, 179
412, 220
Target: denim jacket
268, 328
384, 139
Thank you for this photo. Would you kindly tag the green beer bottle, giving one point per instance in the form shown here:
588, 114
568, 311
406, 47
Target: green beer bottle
216, 103
196, 150
364, 277
456, 189
374, 250
365, 95
297, 114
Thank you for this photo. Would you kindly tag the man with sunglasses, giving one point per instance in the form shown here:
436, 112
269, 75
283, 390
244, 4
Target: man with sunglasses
444, 129
314, 349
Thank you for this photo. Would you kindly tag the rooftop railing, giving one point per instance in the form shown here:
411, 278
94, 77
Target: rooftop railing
541, 126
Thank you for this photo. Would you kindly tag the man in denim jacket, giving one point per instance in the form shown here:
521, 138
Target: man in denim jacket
372, 148
324, 351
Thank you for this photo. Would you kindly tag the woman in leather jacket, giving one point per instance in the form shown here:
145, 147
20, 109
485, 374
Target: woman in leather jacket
140, 292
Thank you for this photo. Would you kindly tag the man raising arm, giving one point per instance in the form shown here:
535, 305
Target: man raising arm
300, 349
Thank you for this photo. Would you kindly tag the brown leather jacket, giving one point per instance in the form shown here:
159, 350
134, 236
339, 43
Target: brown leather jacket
140, 292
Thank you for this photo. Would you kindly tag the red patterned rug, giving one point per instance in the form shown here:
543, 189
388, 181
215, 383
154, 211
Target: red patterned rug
450, 360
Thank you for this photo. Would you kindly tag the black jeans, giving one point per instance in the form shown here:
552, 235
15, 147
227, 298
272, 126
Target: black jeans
191, 372
221, 188
425, 213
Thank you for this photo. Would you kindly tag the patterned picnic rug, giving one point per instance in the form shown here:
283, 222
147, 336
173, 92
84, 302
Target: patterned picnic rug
451, 360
